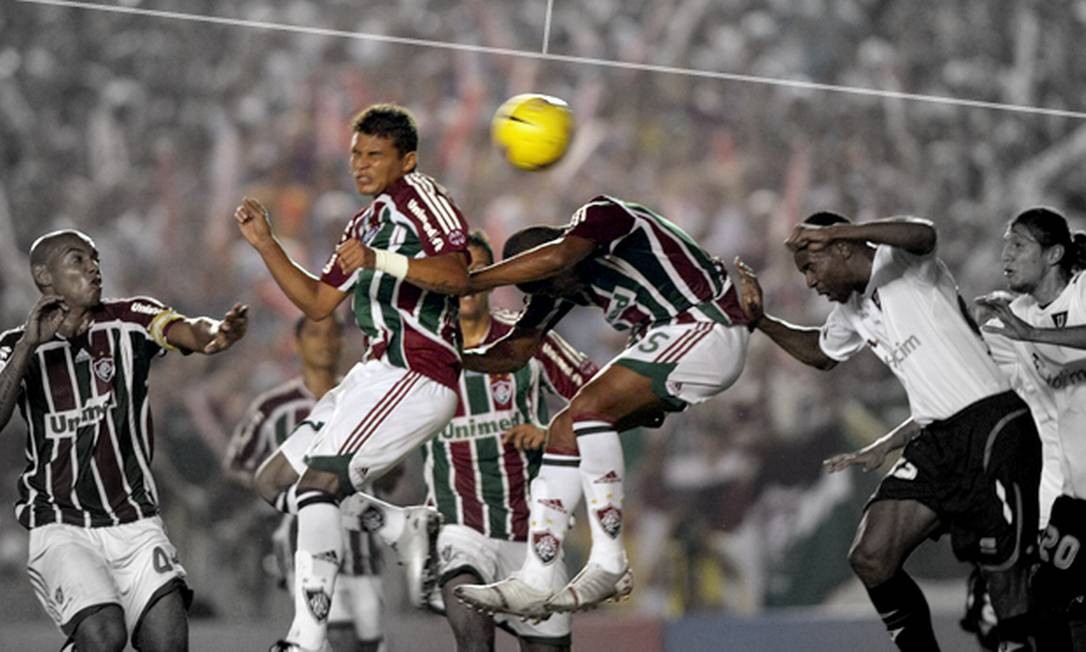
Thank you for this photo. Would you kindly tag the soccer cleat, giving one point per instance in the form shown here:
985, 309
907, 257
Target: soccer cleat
287, 646
417, 552
510, 596
590, 587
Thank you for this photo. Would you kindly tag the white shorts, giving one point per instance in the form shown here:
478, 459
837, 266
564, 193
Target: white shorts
370, 421
461, 548
74, 568
688, 363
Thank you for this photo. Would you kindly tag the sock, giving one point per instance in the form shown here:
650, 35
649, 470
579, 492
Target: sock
316, 564
287, 500
602, 471
554, 494
385, 520
904, 610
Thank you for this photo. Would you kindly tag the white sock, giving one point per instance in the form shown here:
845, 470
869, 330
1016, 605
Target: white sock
602, 472
375, 515
554, 495
316, 565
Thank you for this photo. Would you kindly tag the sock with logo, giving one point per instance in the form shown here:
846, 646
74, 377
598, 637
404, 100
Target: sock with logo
316, 564
602, 471
905, 613
374, 515
554, 495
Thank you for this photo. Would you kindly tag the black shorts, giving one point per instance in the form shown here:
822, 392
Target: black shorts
979, 471
1061, 577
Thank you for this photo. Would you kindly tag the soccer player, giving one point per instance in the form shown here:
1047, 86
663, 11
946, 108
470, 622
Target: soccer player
1046, 323
99, 558
478, 470
688, 340
354, 618
401, 259
971, 459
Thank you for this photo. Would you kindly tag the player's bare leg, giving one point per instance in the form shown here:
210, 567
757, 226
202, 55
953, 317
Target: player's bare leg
889, 531
102, 630
274, 480
473, 631
164, 627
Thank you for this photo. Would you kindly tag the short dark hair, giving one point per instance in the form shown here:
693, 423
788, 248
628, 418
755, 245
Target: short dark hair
826, 218
1050, 228
390, 121
299, 323
478, 238
529, 238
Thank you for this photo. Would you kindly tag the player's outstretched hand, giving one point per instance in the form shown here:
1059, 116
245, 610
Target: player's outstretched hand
750, 292
231, 329
870, 457
810, 237
352, 255
254, 222
525, 436
44, 319
998, 306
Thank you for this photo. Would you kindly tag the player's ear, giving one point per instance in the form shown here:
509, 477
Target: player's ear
409, 161
42, 277
1054, 254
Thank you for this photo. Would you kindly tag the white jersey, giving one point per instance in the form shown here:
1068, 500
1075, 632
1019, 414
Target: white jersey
1063, 370
911, 317
1014, 360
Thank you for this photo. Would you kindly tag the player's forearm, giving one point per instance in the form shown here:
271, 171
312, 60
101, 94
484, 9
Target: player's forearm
446, 274
502, 357
192, 334
912, 234
799, 342
301, 287
1073, 337
899, 436
534, 265
11, 377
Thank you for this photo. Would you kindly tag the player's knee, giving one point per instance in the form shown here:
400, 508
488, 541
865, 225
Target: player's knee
105, 632
869, 563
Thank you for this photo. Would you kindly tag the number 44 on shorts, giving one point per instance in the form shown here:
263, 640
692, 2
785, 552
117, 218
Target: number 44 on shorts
163, 562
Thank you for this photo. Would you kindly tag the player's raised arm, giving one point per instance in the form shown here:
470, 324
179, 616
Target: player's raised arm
801, 342
314, 298
912, 234
41, 324
536, 264
447, 273
207, 335
505, 355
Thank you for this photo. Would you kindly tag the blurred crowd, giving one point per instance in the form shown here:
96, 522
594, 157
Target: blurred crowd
146, 132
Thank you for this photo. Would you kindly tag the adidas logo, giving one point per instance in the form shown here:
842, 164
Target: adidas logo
608, 478
553, 503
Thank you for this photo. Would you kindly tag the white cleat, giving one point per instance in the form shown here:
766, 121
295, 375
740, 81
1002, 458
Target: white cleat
416, 549
590, 587
509, 596
287, 646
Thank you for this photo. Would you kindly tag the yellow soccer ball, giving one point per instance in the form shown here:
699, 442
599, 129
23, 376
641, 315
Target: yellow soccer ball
534, 130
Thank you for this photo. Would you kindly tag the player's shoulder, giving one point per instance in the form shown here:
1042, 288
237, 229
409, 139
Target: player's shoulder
501, 322
138, 308
292, 389
418, 191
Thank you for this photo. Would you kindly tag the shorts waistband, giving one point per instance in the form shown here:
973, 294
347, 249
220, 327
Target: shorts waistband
1009, 400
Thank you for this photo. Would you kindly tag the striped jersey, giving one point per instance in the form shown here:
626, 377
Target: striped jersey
90, 438
411, 327
269, 421
472, 478
645, 271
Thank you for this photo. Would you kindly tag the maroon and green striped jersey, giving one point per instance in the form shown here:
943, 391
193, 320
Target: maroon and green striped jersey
90, 437
644, 271
269, 421
411, 327
472, 478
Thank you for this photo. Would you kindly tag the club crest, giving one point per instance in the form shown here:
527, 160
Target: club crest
545, 546
372, 518
103, 369
502, 391
610, 519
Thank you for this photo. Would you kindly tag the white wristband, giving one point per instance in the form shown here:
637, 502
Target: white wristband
390, 263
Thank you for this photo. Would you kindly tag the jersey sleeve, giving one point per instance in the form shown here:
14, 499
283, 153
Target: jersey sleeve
7, 346
565, 369
543, 313
155, 317
602, 221
837, 338
331, 273
1003, 352
440, 224
243, 451
1076, 308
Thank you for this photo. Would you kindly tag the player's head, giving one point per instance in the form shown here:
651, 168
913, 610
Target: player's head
319, 341
1039, 243
564, 284
832, 270
384, 146
473, 306
66, 263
